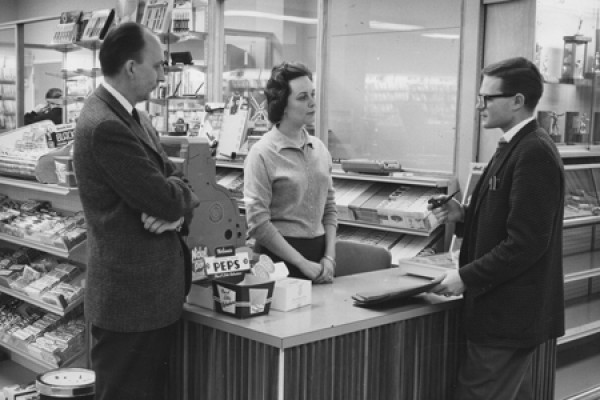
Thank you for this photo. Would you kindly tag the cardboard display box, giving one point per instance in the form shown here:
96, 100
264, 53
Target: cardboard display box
242, 301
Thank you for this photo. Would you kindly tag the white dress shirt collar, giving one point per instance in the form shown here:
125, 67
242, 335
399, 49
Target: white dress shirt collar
120, 98
515, 129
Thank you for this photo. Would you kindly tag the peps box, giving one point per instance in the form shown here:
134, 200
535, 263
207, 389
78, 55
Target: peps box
242, 300
221, 283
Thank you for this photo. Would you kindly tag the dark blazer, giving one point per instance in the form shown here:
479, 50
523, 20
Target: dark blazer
511, 253
135, 279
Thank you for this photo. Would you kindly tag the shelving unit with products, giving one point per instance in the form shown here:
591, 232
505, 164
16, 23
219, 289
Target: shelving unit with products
386, 210
8, 94
177, 106
77, 83
42, 265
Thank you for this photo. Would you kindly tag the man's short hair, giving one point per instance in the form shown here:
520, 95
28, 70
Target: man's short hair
519, 75
54, 93
123, 43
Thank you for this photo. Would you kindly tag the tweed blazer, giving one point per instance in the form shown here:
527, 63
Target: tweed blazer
135, 279
511, 253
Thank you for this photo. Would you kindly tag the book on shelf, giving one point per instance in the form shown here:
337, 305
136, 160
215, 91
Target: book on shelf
407, 208
401, 246
98, 24
157, 15
233, 128
410, 246
386, 239
232, 181
68, 27
365, 207
344, 200
182, 17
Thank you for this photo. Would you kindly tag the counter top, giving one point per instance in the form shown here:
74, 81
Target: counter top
332, 312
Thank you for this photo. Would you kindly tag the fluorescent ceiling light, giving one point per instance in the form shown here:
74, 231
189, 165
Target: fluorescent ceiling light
389, 26
259, 14
450, 36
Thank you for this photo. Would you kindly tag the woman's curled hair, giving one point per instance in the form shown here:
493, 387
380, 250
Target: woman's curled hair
278, 89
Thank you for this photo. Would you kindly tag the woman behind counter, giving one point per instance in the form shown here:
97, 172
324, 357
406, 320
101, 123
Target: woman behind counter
288, 190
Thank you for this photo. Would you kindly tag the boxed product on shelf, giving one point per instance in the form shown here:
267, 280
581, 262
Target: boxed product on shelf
410, 246
41, 285
44, 263
61, 344
386, 239
37, 221
157, 15
343, 202
62, 295
407, 208
234, 182
365, 207
25, 151
21, 392
67, 29
98, 24
65, 173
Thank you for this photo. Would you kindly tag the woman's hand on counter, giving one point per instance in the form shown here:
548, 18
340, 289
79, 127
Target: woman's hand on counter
328, 271
312, 270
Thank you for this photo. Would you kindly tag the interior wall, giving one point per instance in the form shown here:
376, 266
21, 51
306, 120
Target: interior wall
26, 9
9, 11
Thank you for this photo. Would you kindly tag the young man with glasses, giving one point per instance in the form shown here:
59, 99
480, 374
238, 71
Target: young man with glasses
510, 263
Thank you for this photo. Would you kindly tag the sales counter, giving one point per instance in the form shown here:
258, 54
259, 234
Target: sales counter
332, 349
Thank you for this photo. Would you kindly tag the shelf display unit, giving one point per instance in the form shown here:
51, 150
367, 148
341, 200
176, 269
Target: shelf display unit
395, 204
177, 106
8, 95
31, 318
77, 83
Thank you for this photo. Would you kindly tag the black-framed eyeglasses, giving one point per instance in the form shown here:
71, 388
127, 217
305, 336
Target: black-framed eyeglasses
482, 99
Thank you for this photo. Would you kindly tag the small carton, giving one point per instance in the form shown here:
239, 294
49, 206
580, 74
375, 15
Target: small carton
291, 293
201, 294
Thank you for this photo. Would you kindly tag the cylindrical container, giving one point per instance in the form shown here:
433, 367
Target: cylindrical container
66, 383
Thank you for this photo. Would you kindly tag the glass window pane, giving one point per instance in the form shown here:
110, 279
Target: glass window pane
392, 81
566, 39
261, 34
67, 67
8, 83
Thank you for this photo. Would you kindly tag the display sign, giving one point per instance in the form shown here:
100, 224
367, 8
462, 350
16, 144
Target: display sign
227, 264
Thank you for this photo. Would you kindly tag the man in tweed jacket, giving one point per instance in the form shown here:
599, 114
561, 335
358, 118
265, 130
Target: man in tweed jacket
511, 254
135, 204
